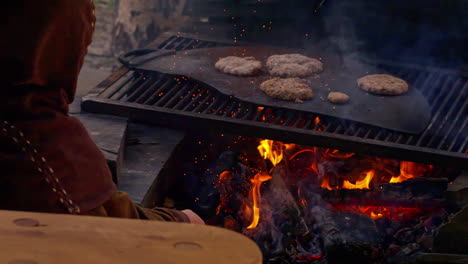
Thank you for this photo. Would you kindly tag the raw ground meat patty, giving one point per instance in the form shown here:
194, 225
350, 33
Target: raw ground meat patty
291, 89
242, 66
383, 84
293, 65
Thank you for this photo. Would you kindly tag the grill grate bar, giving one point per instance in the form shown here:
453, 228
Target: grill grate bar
317, 125
462, 112
202, 103
267, 115
118, 88
166, 42
463, 146
168, 95
259, 114
435, 94
388, 137
446, 116
380, 133
213, 104
249, 112
130, 82
435, 119
461, 132
184, 100
239, 111
178, 95
221, 107
291, 116
330, 128
166, 82
425, 88
147, 93
229, 109
279, 117
130, 88
139, 90
196, 97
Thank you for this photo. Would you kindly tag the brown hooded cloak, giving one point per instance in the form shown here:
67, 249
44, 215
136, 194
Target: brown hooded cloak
48, 162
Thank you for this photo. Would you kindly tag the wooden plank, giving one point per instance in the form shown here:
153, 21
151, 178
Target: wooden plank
35, 238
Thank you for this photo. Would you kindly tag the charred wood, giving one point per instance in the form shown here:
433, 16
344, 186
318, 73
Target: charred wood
346, 236
418, 192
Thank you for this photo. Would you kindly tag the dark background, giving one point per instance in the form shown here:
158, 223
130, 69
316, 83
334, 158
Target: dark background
417, 31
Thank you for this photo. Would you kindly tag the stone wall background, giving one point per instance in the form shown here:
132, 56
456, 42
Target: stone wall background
100, 54
124, 25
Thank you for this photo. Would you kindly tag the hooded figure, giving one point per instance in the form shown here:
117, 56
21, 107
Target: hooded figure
48, 161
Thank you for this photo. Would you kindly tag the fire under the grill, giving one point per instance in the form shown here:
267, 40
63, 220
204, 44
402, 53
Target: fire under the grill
305, 204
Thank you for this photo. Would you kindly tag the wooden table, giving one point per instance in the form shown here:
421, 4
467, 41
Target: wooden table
34, 238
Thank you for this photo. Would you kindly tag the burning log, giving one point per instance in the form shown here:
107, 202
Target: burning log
346, 236
285, 235
278, 183
417, 192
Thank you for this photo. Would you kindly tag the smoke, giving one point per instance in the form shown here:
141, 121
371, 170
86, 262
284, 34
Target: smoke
427, 33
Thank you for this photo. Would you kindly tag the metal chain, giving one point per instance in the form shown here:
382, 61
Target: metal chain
40, 163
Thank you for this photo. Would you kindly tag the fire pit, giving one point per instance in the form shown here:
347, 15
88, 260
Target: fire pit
304, 204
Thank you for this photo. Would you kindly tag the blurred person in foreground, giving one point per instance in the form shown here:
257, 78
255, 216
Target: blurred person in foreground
48, 161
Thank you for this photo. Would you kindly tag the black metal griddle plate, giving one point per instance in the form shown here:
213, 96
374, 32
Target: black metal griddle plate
409, 113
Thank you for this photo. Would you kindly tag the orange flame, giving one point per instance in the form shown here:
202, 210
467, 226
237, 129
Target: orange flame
409, 170
316, 121
225, 175
257, 181
361, 184
326, 184
289, 146
376, 215
271, 150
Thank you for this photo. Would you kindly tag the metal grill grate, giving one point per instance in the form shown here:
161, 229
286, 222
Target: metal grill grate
179, 102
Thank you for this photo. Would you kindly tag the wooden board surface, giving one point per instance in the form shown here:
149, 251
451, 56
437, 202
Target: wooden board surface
33, 238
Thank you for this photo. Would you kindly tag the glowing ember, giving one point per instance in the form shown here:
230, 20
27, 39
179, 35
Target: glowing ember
256, 197
271, 150
299, 152
223, 182
376, 212
225, 175
361, 184
334, 153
